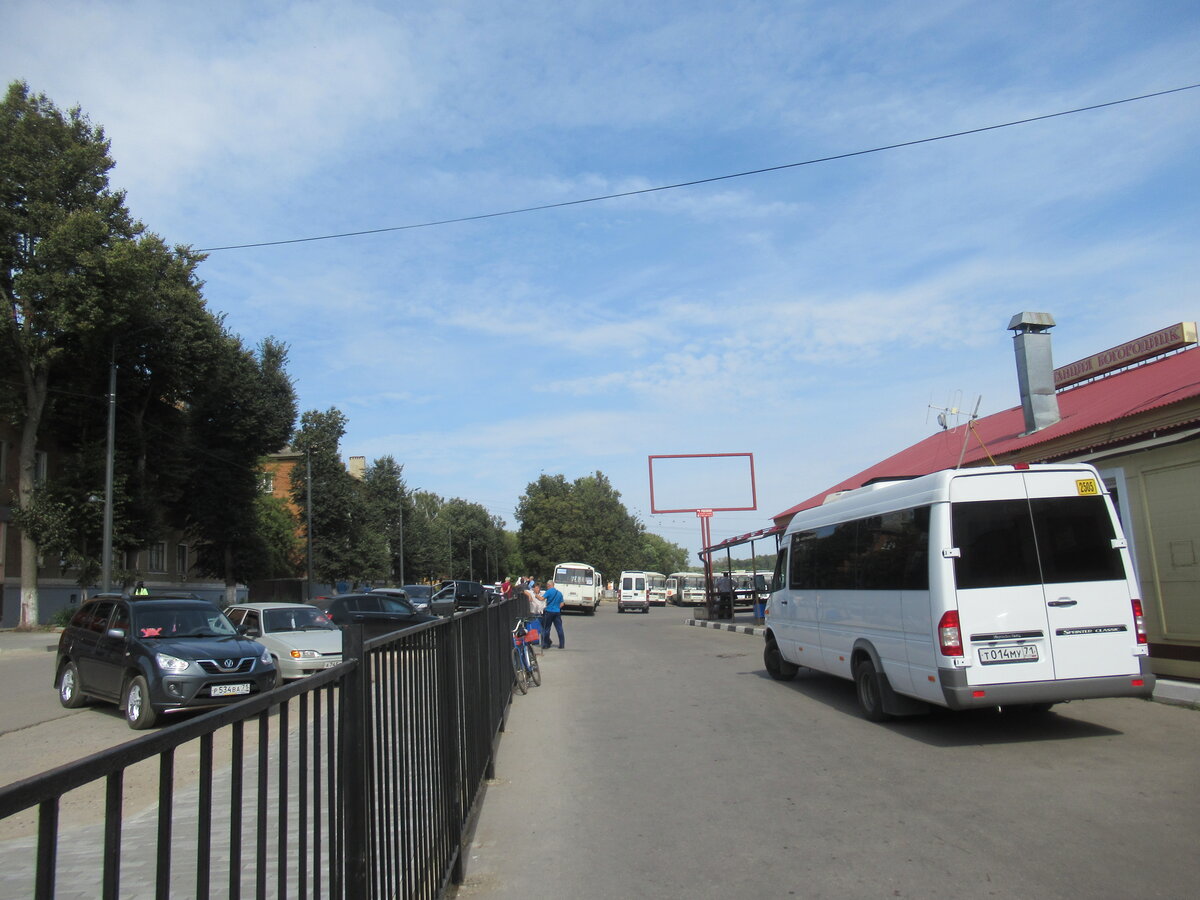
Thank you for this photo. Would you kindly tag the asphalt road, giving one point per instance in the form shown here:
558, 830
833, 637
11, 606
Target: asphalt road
659, 760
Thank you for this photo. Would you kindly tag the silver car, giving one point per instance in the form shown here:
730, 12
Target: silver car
300, 637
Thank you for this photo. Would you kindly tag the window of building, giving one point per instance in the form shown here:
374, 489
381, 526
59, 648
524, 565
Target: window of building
266, 482
158, 557
181, 560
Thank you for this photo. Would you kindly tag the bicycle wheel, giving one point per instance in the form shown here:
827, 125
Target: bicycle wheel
535, 671
519, 672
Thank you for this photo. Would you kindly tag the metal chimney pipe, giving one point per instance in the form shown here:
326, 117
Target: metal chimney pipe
1035, 369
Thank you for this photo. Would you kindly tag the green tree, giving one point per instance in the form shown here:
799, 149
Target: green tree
245, 410
425, 545
334, 494
280, 548
473, 538
580, 521
390, 511
345, 545
660, 555
78, 274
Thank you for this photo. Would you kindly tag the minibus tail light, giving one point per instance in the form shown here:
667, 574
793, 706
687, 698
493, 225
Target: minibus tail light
949, 634
1139, 621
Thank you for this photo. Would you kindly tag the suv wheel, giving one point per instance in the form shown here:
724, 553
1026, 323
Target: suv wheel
70, 693
138, 711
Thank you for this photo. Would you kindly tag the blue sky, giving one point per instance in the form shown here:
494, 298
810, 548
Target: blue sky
808, 316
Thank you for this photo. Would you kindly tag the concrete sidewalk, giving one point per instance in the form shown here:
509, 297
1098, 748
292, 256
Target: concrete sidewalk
13, 642
1173, 691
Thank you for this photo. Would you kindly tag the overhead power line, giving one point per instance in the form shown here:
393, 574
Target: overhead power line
698, 181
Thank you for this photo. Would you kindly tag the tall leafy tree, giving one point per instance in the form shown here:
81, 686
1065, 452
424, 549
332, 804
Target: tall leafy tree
580, 521
389, 510
660, 555
425, 546
345, 545
77, 274
245, 410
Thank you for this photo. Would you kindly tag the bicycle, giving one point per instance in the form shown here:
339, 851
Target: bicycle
524, 657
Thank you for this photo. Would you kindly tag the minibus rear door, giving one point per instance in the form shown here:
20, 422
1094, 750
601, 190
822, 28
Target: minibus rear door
1082, 556
1002, 609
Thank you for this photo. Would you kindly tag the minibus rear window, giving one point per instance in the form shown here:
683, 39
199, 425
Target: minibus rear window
1003, 543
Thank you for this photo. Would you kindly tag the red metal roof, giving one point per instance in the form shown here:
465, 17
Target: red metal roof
1091, 405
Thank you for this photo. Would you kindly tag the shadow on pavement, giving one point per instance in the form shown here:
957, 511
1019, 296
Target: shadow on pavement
944, 727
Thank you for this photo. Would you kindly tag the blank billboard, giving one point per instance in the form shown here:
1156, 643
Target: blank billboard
686, 482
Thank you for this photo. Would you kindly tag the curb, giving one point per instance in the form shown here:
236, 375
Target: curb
726, 626
1166, 690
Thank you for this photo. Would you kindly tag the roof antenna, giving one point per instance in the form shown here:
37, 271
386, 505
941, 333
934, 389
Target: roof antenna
967, 433
945, 412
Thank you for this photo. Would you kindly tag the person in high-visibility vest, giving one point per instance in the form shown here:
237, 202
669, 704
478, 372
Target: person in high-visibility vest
140, 589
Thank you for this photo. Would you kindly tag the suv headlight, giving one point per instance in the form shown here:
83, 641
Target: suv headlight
305, 654
266, 657
171, 663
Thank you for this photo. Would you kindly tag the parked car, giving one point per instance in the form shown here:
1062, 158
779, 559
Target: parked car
421, 596
464, 594
380, 614
302, 639
157, 654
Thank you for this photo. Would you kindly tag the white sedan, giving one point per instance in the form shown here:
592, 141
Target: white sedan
300, 637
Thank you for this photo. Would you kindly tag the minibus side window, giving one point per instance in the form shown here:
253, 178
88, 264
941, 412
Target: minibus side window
800, 570
1074, 536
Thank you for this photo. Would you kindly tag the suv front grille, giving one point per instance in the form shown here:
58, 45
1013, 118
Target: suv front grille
227, 666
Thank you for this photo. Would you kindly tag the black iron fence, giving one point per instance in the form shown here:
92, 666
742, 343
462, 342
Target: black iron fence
360, 781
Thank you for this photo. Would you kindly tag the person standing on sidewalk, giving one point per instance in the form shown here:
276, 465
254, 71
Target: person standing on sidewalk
553, 615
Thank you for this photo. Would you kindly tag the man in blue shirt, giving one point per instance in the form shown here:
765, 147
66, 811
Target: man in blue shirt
553, 615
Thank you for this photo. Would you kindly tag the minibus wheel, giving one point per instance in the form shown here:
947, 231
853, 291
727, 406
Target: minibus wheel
778, 667
870, 697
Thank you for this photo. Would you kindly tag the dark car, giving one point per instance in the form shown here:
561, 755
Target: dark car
421, 596
465, 594
380, 613
153, 655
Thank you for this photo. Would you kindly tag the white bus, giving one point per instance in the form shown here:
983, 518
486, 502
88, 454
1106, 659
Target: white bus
685, 588
988, 587
580, 585
656, 588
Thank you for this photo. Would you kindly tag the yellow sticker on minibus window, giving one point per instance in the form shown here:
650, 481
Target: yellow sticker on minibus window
1087, 487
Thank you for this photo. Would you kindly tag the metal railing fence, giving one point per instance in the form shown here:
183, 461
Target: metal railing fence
359, 781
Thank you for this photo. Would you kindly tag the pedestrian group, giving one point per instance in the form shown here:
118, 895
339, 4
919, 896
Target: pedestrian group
545, 604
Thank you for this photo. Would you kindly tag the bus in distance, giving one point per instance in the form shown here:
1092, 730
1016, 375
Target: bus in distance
580, 585
685, 588
656, 588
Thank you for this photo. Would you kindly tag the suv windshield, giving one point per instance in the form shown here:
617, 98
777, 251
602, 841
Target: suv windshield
302, 618
161, 621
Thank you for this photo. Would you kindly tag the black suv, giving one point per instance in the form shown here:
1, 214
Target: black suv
157, 654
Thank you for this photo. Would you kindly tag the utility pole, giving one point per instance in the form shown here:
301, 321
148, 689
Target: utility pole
401, 540
308, 514
106, 564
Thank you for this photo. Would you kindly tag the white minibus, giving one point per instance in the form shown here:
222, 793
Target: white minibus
632, 592
1008, 586
580, 586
